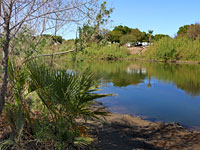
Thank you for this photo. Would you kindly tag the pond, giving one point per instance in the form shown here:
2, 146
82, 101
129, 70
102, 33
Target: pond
153, 91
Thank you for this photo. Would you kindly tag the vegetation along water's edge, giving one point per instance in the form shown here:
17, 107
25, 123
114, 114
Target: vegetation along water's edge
184, 47
120, 131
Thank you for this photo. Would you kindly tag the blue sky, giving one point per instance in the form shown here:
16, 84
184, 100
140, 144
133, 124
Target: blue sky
161, 16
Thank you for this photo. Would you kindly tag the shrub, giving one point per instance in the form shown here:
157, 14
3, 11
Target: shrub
66, 102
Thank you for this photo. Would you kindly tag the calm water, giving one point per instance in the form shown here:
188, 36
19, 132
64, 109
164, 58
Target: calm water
154, 91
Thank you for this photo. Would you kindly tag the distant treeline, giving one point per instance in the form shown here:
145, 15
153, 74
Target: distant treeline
123, 34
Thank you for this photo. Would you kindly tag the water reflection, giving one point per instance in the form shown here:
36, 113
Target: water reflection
124, 73
157, 91
185, 77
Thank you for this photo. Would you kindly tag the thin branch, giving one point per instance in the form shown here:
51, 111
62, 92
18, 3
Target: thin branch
47, 55
48, 13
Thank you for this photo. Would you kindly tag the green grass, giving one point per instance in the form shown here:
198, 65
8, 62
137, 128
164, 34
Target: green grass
108, 52
174, 49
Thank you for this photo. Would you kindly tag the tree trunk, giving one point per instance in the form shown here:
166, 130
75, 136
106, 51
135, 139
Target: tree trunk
5, 66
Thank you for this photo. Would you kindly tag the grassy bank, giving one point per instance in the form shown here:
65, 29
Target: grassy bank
92, 51
168, 49
107, 52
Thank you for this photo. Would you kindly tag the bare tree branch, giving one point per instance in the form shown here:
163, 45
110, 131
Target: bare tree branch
39, 15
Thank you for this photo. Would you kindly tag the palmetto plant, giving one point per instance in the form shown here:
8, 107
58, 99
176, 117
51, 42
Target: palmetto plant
64, 92
66, 103
68, 96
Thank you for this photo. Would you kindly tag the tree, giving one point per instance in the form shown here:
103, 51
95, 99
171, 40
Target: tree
102, 17
128, 38
95, 32
114, 36
190, 31
134, 36
150, 36
123, 34
140, 36
36, 14
193, 31
157, 37
123, 29
182, 31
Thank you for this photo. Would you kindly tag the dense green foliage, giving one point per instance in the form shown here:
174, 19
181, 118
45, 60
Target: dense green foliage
157, 37
174, 49
182, 30
186, 46
123, 29
124, 34
193, 31
114, 36
190, 31
134, 36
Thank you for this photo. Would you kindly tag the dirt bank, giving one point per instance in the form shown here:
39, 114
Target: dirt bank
125, 132
137, 50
